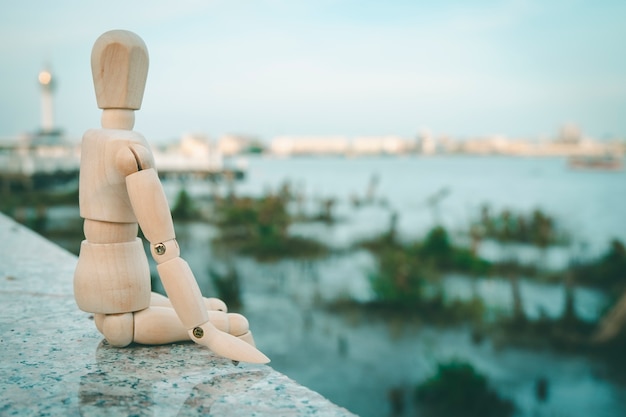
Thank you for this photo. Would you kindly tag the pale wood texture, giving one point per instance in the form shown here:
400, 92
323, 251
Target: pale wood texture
119, 329
159, 325
183, 291
150, 205
119, 65
102, 188
112, 278
235, 324
186, 298
249, 339
215, 304
119, 187
240, 349
118, 119
212, 304
106, 232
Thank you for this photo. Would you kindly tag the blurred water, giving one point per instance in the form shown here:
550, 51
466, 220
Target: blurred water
539, 299
590, 204
355, 358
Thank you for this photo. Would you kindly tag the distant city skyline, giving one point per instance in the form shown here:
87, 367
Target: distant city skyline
329, 67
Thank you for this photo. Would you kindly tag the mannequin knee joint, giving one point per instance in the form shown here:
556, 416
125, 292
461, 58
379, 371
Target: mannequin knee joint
118, 329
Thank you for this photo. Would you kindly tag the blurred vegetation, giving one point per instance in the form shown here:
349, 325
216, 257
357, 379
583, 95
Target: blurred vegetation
534, 228
184, 207
31, 208
435, 252
38, 198
404, 268
608, 271
459, 390
228, 287
260, 227
326, 210
400, 278
408, 275
407, 280
437, 248
612, 352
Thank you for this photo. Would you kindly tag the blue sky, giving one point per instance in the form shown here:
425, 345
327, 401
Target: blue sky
349, 67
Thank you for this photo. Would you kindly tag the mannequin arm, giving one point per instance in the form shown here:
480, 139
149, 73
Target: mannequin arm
153, 214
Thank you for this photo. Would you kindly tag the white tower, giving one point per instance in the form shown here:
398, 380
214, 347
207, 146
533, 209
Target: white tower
47, 111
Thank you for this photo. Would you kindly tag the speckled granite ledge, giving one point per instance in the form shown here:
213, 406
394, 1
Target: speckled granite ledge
54, 362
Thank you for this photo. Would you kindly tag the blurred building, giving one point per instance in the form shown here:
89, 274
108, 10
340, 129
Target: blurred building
569, 142
426, 143
230, 145
310, 145
42, 158
570, 134
193, 155
380, 145
341, 145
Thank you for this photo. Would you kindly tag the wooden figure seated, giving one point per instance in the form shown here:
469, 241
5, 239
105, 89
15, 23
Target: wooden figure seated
120, 190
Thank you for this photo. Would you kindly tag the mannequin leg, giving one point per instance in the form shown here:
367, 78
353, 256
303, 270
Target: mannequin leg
116, 328
159, 325
160, 300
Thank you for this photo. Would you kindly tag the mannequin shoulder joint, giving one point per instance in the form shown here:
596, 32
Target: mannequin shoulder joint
133, 158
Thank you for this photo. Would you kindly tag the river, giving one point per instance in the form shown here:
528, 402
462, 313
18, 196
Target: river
357, 359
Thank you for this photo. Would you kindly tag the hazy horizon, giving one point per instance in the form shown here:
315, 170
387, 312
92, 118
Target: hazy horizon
345, 67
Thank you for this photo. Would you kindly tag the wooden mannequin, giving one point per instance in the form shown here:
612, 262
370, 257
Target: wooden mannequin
119, 189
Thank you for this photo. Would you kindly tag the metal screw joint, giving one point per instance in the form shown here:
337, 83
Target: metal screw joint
159, 248
198, 332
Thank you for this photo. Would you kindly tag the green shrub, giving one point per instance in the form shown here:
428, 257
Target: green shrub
400, 277
458, 390
228, 287
184, 207
259, 227
608, 271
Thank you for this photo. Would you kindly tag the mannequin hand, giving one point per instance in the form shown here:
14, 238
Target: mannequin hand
226, 345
